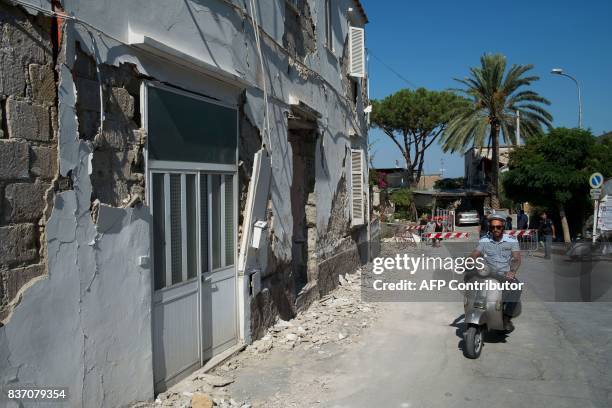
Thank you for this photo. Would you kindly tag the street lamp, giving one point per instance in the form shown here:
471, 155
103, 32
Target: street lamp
559, 71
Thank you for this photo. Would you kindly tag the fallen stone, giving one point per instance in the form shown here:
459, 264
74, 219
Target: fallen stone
283, 324
199, 400
215, 380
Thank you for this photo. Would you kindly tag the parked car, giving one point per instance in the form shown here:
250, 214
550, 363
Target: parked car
468, 217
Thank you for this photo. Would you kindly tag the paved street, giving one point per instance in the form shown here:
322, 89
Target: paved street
411, 357
344, 352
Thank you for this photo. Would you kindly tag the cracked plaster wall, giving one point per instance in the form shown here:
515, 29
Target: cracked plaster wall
92, 267
66, 330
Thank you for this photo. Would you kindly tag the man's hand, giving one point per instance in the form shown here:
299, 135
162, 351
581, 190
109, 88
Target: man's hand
510, 275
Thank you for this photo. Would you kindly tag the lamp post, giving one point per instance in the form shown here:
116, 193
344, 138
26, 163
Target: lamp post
559, 71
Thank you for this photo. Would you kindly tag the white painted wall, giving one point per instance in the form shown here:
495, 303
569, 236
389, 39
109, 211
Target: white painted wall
88, 325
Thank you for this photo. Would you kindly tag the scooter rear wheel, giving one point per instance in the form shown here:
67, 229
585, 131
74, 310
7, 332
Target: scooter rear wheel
473, 342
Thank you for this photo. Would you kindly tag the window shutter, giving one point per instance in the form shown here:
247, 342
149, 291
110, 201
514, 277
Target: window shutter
357, 213
357, 52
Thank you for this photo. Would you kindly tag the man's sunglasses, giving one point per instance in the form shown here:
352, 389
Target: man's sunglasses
497, 227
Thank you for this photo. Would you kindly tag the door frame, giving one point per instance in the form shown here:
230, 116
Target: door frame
197, 169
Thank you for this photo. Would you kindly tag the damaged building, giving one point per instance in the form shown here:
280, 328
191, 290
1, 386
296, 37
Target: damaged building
174, 177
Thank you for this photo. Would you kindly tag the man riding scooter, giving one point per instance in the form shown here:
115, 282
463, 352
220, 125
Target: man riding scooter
502, 256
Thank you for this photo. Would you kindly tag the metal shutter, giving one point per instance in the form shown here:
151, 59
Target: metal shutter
357, 213
357, 52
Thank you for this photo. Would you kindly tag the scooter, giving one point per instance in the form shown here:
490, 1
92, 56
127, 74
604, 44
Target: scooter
484, 312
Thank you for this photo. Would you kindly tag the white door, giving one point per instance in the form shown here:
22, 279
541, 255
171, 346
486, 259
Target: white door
175, 270
194, 307
192, 190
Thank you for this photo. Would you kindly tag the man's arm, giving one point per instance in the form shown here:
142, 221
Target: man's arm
476, 253
515, 263
554, 231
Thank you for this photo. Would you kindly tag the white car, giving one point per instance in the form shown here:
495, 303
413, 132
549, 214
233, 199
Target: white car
468, 217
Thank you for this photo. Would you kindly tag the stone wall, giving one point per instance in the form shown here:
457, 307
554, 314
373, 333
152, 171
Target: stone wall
117, 164
28, 149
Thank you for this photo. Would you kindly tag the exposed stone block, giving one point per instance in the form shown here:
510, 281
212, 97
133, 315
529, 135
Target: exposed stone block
43, 162
14, 159
88, 94
42, 81
21, 43
24, 201
18, 244
116, 135
89, 124
12, 280
121, 103
27, 121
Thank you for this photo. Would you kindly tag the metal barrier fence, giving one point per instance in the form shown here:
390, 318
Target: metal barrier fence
528, 239
447, 217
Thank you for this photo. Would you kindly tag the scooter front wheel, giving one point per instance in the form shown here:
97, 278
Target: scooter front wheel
473, 342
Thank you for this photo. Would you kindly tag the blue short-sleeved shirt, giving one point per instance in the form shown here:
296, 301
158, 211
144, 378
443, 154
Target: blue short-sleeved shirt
498, 254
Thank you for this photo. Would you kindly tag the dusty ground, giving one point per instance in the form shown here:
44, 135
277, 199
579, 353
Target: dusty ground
346, 353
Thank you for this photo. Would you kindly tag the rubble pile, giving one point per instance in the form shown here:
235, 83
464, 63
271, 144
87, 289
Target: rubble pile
336, 318
200, 390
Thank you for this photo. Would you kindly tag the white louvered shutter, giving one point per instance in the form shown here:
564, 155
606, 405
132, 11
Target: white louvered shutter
357, 52
357, 209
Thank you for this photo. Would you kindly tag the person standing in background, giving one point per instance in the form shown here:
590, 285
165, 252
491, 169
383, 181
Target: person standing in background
521, 220
547, 232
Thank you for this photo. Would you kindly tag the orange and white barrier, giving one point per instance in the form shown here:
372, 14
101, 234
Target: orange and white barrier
520, 233
446, 235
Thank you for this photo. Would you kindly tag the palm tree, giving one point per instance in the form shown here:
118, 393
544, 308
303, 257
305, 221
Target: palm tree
492, 101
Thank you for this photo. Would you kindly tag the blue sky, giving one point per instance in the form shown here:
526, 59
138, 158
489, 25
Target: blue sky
431, 42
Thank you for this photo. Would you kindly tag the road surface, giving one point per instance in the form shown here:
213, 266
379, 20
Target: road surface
558, 356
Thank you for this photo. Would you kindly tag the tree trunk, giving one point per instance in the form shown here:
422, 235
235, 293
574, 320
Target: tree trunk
419, 170
564, 225
494, 190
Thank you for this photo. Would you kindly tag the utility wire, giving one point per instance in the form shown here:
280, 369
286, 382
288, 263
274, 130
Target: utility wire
400, 76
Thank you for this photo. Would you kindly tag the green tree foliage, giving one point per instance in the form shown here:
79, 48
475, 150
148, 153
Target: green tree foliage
552, 171
449, 183
403, 200
414, 120
495, 94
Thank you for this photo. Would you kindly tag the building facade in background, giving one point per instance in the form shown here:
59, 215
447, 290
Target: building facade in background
174, 178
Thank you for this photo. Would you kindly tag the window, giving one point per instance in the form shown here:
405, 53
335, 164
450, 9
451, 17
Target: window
190, 210
189, 129
328, 25
357, 187
357, 52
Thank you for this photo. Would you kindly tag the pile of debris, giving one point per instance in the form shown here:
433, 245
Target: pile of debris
199, 390
336, 318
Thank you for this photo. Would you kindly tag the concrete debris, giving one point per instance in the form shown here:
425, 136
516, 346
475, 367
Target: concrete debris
336, 319
197, 391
